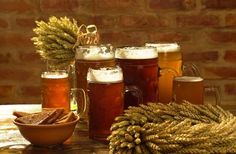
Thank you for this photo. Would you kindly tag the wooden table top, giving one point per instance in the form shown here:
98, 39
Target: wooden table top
11, 140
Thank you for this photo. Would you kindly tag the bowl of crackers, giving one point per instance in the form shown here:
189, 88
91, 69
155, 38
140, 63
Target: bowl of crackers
48, 127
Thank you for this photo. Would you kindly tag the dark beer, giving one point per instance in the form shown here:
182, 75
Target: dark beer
169, 56
55, 90
140, 68
91, 57
106, 95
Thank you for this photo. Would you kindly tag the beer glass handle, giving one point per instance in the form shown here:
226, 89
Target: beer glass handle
136, 91
190, 69
208, 90
165, 70
73, 98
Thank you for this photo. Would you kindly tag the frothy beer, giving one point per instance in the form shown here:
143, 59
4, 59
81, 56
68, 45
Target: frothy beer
55, 90
140, 69
106, 95
136, 53
188, 88
169, 57
91, 57
94, 53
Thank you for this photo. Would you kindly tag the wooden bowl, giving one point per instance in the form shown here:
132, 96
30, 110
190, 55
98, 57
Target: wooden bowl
50, 134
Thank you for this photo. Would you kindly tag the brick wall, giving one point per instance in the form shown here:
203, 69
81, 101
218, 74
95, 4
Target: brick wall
205, 29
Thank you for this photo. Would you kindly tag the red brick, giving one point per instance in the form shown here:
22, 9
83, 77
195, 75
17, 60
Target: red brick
230, 56
230, 20
5, 57
105, 21
26, 22
124, 38
230, 89
3, 23
6, 91
197, 20
143, 21
29, 57
119, 6
172, 4
223, 37
30, 91
221, 72
168, 37
58, 5
219, 4
15, 40
201, 56
17, 6
14, 74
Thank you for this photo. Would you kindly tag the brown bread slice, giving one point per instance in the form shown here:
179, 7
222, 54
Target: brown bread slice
59, 112
66, 118
37, 118
20, 114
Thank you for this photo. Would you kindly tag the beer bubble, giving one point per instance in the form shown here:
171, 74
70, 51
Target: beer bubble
188, 79
164, 47
94, 53
136, 53
105, 75
54, 75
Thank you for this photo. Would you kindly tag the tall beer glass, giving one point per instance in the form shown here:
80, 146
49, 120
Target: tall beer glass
192, 89
140, 68
106, 94
170, 57
91, 57
55, 89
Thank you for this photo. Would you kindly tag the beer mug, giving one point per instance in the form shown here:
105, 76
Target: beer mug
106, 97
56, 92
91, 57
140, 68
192, 89
170, 63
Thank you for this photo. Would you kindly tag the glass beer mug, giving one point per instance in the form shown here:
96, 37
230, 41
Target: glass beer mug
140, 68
170, 63
192, 89
56, 91
106, 97
93, 56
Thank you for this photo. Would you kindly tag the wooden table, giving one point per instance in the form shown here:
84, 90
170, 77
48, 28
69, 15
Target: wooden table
11, 140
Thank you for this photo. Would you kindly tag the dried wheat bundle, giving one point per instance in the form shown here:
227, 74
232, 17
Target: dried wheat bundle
57, 38
174, 129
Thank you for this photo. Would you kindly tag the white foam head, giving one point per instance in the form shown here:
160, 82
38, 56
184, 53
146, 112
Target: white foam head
54, 75
105, 75
136, 53
188, 79
101, 52
164, 47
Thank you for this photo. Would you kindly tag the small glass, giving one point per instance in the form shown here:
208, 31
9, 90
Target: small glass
192, 89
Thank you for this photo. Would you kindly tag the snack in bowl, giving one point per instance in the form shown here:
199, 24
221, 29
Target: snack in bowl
49, 127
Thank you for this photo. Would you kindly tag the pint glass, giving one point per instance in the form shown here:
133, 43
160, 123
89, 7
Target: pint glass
169, 57
140, 68
192, 89
55, 89
91, 57
106, 96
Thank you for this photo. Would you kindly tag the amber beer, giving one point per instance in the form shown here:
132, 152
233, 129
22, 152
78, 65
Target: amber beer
140, 68
169, 57
55, 90
106, 95
188, 88
91, 57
